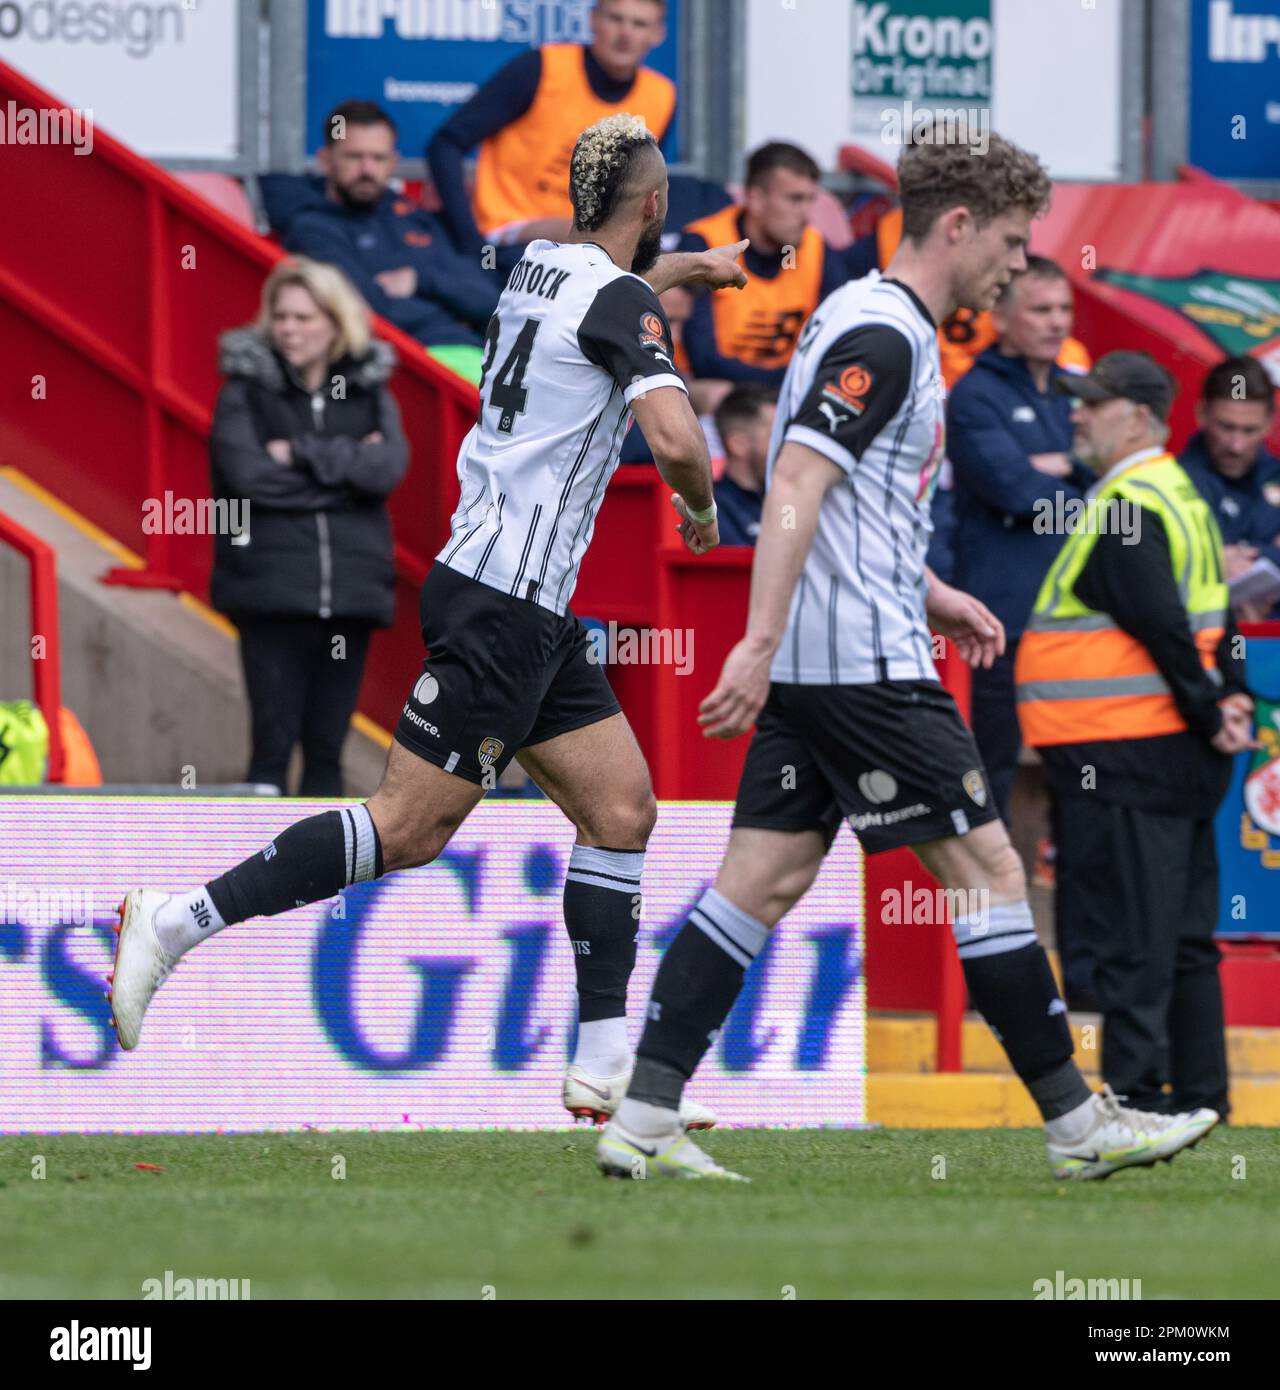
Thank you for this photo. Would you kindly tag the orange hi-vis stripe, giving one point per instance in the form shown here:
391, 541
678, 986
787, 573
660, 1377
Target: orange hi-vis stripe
1061, 700
522, 172
761, 323
1079, 677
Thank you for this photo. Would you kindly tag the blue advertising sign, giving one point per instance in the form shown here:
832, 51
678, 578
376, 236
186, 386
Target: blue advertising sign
422, 59
1235, 88
1248, 823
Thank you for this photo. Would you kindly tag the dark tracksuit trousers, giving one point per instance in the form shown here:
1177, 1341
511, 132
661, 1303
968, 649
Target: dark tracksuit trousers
1144, 886
993, 716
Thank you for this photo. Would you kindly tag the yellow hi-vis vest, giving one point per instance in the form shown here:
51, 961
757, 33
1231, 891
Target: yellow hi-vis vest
1080, 677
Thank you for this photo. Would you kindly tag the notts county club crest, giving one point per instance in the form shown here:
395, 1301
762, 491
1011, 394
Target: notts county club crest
490, 752
976, 786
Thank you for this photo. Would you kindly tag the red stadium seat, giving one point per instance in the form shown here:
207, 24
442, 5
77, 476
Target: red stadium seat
224, 192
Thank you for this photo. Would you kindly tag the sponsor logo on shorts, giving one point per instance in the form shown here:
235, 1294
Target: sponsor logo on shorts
872, 819
426, 689
975, 784
422, 724
490, 751
878, 787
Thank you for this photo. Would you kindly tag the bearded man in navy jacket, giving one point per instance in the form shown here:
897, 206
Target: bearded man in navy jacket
396, 254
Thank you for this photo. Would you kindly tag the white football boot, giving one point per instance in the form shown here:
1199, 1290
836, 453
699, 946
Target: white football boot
595, 1098
620, 1154
142, 965
1124, 1138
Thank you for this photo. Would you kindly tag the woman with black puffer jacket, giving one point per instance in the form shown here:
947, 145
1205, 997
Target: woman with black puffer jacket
307, 433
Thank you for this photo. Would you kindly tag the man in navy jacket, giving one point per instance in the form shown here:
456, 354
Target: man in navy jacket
744, 422
1232, 469
1008, 437
396, 254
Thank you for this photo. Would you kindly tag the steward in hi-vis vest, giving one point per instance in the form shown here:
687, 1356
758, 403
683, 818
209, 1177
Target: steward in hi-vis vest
751, 335
525, 121
1130, 683
1081, 676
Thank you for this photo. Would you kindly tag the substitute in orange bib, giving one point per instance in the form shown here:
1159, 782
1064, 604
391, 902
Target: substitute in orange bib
791, 271
527, 118
967, 333
1130, 681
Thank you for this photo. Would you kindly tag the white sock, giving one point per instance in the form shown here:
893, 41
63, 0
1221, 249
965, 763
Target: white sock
1072, 1127
186, 920
647, 1121
602, 1047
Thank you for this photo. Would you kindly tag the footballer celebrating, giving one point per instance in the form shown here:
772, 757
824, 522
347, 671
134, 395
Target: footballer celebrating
836, 672
578, 345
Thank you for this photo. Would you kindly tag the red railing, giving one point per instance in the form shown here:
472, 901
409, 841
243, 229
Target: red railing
46, 664
115, 281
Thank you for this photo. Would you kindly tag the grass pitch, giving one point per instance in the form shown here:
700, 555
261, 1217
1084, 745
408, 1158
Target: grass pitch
828, 1215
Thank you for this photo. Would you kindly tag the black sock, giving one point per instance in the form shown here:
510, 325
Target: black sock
602, 915
315, 858
696, 986
1015, 992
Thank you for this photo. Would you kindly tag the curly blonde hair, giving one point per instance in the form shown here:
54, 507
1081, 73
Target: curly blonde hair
603, 160
934, 177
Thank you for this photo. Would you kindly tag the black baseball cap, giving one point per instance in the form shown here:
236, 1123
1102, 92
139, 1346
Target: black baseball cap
1124, 376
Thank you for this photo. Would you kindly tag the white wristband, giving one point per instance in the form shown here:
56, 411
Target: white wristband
702, 518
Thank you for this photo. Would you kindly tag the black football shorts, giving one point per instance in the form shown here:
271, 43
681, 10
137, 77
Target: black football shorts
501, 674
893, 758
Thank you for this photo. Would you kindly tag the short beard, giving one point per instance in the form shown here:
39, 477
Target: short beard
356, 204
1088, 456
648, 248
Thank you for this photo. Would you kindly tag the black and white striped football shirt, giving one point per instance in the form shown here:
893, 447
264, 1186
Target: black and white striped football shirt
573, 342
864, 389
